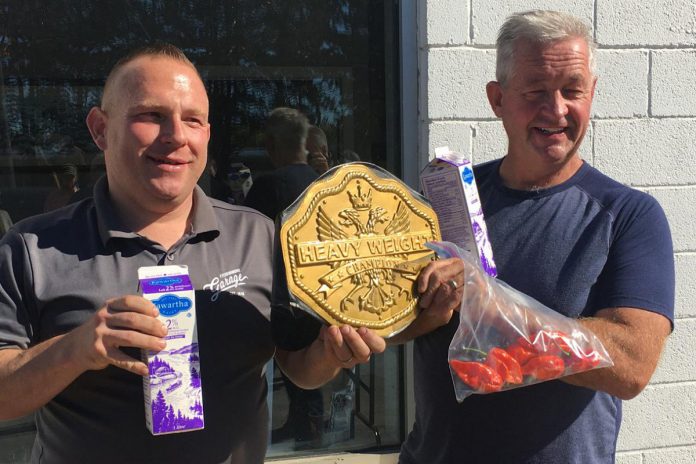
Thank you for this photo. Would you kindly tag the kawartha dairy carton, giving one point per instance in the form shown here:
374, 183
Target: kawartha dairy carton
173, 396
448, 182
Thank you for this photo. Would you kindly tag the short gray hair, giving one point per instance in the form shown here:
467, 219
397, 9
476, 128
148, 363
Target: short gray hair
540, 27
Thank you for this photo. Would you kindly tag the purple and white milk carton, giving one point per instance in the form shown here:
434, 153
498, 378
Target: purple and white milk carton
448, 182
173, 396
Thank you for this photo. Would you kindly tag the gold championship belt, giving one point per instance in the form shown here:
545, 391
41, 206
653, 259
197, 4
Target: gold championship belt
353, 244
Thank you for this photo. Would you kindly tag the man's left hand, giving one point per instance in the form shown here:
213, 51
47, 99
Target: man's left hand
334, 349
348, 346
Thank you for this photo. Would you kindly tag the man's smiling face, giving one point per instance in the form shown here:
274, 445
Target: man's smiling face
156, 133
545, 102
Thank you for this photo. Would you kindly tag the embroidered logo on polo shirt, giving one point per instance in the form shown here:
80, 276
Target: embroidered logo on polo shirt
225, 282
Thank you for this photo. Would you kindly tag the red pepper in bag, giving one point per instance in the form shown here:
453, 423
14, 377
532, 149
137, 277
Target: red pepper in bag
507, 366
553, 342
520, 353
544, 367
478, 376
506, 339
584, 362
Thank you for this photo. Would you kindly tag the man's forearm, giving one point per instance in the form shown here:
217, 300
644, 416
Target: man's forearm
308, 368
31, 378
634, 339
335, 348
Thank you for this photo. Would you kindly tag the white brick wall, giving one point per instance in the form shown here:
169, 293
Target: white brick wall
642, 134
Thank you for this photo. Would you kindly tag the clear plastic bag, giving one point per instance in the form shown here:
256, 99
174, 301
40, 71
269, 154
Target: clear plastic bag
507, 339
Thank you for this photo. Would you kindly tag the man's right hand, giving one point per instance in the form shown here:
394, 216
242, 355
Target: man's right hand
29, 378
128, 321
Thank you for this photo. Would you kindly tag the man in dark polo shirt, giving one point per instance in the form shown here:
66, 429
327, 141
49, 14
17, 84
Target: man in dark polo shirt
72, 325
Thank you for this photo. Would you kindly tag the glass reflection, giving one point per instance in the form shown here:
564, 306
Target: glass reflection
331, 59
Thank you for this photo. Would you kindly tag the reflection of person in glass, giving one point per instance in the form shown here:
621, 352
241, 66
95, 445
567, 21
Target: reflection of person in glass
318, 155
285, 138
218, 187
70, 342
65, 179
348, 156
239, 182
286, 134
96, 170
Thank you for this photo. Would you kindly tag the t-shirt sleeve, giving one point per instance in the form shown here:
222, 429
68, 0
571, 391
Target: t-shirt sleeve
15, 327
639, 272
293, 328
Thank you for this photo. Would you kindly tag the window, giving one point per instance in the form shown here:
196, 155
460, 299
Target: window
335, 60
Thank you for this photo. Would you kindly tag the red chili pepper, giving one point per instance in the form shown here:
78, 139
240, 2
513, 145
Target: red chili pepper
544, 367
478, 376
506, 365
552, 342
584, 362
526, 344
520, 353
560, 343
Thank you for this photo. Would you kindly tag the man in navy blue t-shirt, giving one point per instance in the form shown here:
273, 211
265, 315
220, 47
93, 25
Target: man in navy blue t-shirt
567, 235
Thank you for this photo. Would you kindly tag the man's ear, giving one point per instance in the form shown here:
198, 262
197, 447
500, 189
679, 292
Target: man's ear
96, 123
594, 86
495, 97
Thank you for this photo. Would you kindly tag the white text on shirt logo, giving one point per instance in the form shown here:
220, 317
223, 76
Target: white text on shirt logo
226, 281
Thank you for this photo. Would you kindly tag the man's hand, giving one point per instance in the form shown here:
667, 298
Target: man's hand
129, 321
441, 287
29, 378
335, 348
345, 346
318, 162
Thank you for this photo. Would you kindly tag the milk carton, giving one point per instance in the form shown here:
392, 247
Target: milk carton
448, 182
173, 396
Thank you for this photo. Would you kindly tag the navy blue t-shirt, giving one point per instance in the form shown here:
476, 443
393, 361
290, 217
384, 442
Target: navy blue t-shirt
587, 244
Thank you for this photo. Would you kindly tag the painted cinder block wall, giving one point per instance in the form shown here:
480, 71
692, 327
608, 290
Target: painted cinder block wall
643, 134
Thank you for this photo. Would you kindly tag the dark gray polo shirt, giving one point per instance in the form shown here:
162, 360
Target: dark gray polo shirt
56, 269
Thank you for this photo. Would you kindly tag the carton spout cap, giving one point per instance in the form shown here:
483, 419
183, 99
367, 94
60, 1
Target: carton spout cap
445, 154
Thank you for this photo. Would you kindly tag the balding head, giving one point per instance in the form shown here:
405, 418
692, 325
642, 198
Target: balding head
154, 132
156, 50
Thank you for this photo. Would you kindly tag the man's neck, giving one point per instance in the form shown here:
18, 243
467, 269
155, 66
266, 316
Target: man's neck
520, 177
163, 224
